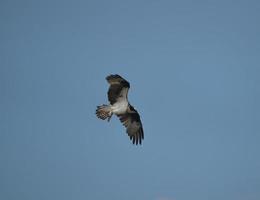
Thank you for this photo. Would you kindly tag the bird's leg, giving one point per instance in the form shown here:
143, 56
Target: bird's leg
109, 117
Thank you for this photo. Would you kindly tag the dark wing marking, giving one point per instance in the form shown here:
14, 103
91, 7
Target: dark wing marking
114, 79
133, 125
118, 88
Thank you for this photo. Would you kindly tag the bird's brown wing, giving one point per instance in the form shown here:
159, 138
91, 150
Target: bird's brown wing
134, 127
118, 89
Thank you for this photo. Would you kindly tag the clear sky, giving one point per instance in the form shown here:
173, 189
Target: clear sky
194, 69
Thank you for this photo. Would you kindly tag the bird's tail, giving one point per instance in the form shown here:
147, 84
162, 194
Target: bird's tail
104, 112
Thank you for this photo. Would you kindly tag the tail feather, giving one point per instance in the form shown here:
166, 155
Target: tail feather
103, 112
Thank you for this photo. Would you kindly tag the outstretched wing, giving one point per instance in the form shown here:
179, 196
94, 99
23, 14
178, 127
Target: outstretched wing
118, 88
133, 124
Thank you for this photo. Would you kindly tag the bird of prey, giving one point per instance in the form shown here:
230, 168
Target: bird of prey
119, 105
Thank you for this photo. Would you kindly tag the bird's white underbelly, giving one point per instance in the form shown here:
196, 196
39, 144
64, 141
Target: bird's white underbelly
119, 107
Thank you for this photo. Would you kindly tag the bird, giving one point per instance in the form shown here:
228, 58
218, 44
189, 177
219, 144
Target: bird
120, 106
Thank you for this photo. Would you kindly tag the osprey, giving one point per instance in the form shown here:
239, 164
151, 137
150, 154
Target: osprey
119, 105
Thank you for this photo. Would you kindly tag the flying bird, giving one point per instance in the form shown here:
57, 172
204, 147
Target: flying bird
119, 105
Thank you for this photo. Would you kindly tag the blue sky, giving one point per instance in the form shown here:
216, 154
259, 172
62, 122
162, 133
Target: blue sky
194, 71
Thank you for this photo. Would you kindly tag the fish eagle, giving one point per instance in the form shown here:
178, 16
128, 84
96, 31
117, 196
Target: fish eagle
119, 105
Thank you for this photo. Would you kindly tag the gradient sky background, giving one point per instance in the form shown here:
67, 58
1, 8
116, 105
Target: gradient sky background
194, 69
